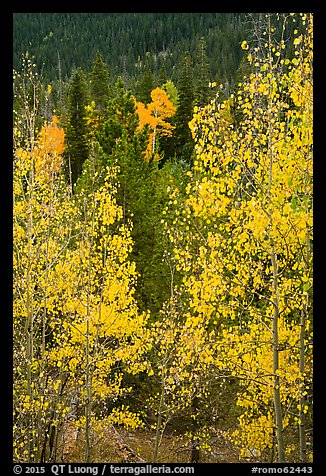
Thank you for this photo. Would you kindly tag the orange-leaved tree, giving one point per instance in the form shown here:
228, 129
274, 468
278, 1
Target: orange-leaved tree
42, 225
154, 115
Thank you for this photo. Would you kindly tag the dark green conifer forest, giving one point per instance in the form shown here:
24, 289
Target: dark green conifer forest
129, 42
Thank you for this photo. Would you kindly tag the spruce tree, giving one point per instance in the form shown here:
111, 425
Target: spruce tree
99, 80
182, 134
76, 133
120, 114
202, 90
145, 86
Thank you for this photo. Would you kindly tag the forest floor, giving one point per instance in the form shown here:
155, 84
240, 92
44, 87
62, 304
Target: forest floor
137, 445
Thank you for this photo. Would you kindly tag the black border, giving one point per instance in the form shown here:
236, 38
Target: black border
6, 443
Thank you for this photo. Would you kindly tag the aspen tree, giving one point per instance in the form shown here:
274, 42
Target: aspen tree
249, 207
182, 356
155, 115
39, 211
77, 328
106, 333
24, 134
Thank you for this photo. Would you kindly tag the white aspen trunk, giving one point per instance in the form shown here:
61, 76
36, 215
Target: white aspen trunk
275, 285
89, 374
88, 377
29, 330
154, 133
29, 327
276, 385
302, 400
159, 421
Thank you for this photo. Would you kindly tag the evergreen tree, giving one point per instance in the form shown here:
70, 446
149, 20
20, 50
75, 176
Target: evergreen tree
119, 116
202, 90
138, 193
163, 76
76, 133
182, 134
129, 40
99, 79
145, 86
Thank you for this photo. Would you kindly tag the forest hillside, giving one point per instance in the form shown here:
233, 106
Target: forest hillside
129, 42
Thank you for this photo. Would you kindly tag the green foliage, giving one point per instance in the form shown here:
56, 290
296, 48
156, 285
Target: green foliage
145, 86
76, 130
172, 91
128, 41
183, 143
99, 79
140, 193
201, 73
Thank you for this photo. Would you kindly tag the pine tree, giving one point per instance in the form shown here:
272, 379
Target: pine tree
201, 75
99, 79
182, 134
77, 147
145, 86
120, 115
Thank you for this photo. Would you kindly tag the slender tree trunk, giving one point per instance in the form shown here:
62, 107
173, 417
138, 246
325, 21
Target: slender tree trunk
42, 377
195, 452
159, 421
29, 352
154, 140
276, 385
70, 177
88, 382
54, 432
88, 405
154, 133
88, 378
302, 400
275, 328
274, 261
29, 328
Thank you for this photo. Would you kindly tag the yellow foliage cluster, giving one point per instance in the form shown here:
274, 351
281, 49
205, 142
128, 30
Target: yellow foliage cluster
76, 322
243, 239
